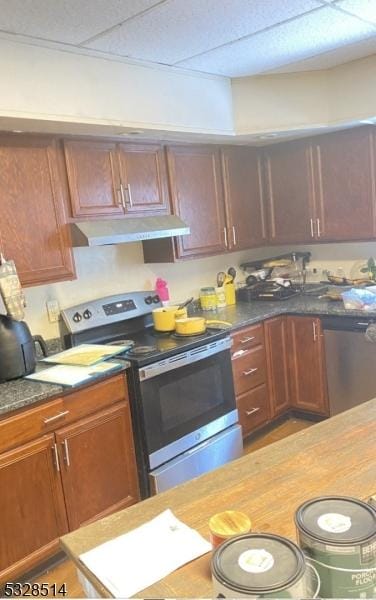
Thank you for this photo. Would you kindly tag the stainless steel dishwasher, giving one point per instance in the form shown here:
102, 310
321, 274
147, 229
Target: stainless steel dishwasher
350, 361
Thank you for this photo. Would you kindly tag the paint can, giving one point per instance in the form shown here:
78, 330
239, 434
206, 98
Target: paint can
338, 534
257, 565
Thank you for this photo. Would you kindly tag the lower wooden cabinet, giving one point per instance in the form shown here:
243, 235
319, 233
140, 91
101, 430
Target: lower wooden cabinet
308, 389
31, 506
253, 407
276, 345
97, 466
66, 478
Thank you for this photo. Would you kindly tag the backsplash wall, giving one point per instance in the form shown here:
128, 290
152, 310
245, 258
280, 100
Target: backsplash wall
110, 270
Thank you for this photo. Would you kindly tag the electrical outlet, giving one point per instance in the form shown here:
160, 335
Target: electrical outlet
53, 310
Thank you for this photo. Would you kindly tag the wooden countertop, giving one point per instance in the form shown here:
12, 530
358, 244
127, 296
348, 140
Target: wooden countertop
334, 457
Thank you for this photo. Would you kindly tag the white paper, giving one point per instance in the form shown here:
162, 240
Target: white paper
132, 562
66, 375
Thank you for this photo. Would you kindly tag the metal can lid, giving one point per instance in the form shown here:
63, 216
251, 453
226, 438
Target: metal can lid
337, 519
257, 563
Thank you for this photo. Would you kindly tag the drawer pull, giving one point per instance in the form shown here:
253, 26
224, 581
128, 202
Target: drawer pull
55, 457
239, 353
56, 417
66, 453
250, 412
250, 371
247, 339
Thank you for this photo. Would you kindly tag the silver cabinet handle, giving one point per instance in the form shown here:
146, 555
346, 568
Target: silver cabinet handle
247, 339
225, 232
120, 197
234, 235
126, 187
312, 231
238, 353
250, 412
318, 228
314, 327
123, 203
66, 452
250, 371
130, 195
60, 415
55, 457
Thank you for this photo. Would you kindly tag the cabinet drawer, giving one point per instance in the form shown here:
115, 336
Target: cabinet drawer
33, 422
249, 370
253, 409
94, 398
247, 338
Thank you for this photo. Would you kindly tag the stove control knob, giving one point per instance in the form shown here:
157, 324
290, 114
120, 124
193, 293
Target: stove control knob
77, 317
148, 299
87, 314
156, 299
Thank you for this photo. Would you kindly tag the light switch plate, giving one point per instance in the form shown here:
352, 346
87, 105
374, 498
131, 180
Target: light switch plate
53, 310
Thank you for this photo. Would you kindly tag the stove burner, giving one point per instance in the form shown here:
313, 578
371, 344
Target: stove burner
141, 350
129, 343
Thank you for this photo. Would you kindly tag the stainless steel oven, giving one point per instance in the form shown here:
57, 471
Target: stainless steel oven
187, 403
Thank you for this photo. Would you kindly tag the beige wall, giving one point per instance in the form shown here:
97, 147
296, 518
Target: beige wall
50, 84
115, 269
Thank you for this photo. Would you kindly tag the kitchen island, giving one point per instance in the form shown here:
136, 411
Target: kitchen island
335, 457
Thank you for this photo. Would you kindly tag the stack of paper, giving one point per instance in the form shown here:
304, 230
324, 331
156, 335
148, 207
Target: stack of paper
71, 376
136, 560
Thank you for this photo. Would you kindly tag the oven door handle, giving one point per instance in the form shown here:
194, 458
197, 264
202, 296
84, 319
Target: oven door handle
186, 358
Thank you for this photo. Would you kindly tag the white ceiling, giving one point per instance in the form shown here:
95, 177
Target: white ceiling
234, 38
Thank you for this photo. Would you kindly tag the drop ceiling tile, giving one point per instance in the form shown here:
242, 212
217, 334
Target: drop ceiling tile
365, 9
69, 21
327, 60
179, 29
304, 37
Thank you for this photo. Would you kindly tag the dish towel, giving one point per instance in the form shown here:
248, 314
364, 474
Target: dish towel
10, 289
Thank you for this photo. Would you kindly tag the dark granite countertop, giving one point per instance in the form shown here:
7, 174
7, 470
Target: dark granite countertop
21, 392
248, 313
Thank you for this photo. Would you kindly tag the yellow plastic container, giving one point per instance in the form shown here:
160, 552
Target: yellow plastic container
230, 294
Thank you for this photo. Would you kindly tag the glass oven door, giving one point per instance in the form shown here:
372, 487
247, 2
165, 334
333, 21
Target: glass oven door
186, 399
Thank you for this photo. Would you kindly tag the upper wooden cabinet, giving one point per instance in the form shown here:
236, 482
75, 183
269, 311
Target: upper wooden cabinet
143, 178
344, 185
289, 192
93, 177
109, 179
197, 197
306, 353
33, 229
242, 177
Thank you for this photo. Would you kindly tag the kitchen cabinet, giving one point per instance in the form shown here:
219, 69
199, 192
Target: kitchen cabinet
289, 191
109, 179
197, 197
144, 179
345, 200
31, 506
242, 178
276, 343
308, 388
97, 467
250, 378
69, 461
33, 228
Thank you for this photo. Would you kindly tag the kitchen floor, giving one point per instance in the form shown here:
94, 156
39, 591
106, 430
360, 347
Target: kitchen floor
65, 572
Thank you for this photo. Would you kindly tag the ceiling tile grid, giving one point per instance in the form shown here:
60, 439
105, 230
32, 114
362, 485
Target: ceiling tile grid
234, 38
179, 29
315, 33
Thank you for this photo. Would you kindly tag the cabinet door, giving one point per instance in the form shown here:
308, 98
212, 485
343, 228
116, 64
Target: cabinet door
33, 229
307, 365
197, 197
277, 364
241, 168
31, 507
99, 471
345, 183
289, 179
93, 177
144, 178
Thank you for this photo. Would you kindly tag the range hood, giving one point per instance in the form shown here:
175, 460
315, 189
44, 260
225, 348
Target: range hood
120, 231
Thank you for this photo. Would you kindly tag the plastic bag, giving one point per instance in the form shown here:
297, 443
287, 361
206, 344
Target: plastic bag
360, 299
10, 289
